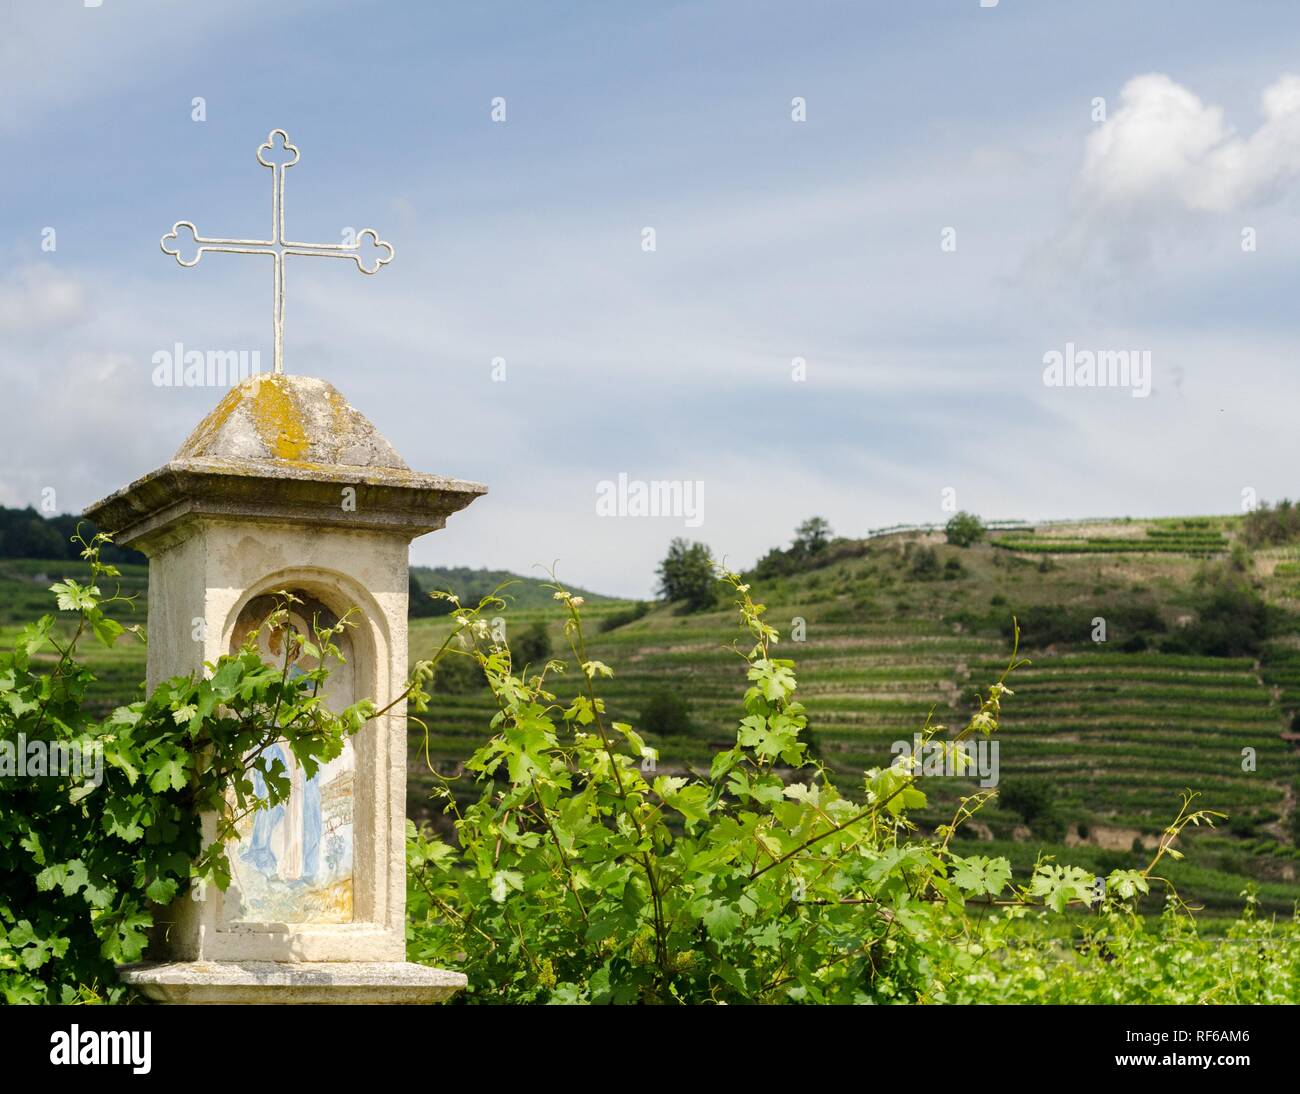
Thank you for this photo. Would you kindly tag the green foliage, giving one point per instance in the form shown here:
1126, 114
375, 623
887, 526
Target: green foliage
1033, 801
420, 605
1121, 958
458, 675
1232, 619
666, 714
811, 549
578, 875
1127, 620
472, 585
812, 536
533, 647
925, 563
686, 576
622, 618
1197, 537
964, 529
1030, 800
1272, 525
87, 862
24, 533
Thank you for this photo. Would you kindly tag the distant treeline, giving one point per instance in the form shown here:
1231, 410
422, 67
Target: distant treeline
1272, 525
24, 533
472, 585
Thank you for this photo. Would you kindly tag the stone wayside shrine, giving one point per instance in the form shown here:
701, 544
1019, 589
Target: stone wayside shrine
285, 486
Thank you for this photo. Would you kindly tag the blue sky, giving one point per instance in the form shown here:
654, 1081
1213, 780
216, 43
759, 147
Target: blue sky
775, 239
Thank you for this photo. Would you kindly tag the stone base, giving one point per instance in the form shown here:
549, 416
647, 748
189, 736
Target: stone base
197, 982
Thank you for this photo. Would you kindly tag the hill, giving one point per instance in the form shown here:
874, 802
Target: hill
472, 585
1100, 737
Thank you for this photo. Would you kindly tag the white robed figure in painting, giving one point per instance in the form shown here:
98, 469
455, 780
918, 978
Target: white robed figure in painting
286, 838
284, 851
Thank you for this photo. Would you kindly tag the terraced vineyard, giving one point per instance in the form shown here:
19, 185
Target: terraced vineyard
1196, 537
863, 691
1114, 737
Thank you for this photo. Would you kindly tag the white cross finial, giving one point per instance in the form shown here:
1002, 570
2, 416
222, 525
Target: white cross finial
278, 154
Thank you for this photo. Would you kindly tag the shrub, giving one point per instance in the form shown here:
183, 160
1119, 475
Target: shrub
1031, 801
1272, 525
925, 564
964, 529
1232, 619
1244, 825
625, 616
809, 550
776, 563
533, 647
1128, 623
666, 714
458, 676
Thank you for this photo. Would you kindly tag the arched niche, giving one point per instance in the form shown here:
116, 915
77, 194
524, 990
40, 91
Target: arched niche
311, 861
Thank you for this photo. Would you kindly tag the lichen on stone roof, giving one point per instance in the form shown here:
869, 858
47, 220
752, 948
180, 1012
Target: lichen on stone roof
299, 421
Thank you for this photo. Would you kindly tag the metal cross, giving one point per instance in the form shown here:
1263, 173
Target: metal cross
279, 155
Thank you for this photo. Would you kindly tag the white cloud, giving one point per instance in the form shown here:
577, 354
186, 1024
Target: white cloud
1164, 145
40, 298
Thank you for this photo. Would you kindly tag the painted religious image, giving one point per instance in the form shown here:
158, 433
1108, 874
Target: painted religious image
293, 862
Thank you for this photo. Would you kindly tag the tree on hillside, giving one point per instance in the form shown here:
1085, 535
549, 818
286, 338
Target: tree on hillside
806, 551
925, 563
417, 604
1271, 525
686, 576
532, 647
964, 529
666, 714
1232, 618
1036, 805
25, 533
812, 536
420, 605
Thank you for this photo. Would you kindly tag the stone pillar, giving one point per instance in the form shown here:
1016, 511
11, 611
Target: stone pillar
285, 486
